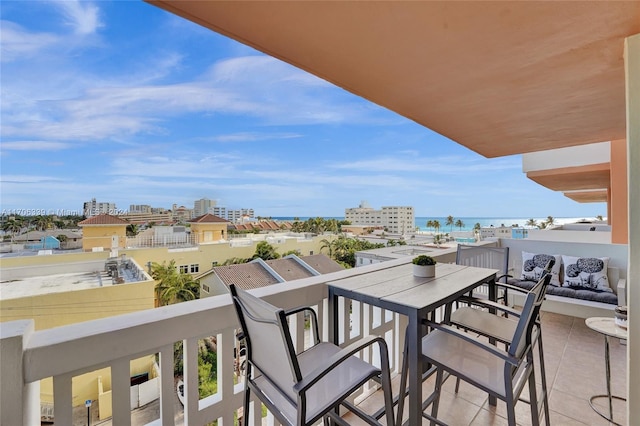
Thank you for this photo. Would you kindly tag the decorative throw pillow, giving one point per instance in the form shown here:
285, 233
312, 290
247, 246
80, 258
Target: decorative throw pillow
586, 272
533, 266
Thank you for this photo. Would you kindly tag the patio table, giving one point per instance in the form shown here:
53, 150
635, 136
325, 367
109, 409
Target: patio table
396, 289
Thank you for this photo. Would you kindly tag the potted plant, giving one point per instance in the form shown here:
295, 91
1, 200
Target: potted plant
424, 266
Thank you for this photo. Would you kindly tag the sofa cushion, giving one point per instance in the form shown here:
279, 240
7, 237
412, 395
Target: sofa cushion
586, 273
533, 265
575, 293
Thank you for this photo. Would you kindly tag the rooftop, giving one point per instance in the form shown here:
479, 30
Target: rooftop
208, 218
18, 283
103, 219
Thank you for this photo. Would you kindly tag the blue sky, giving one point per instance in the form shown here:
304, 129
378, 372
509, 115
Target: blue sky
126, 103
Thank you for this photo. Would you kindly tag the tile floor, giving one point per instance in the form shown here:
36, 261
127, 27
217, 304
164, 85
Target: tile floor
575, 370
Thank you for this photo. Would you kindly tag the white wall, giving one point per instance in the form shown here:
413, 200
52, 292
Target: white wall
563, 235
574, 156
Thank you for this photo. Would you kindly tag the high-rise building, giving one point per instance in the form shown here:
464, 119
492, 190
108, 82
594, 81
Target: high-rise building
232, 215
394, 219
94, 208
203, 206
139, 208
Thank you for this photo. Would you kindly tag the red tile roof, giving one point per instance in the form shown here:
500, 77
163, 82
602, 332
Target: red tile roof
246, 275
289, 269
322, 263
103, 219
208, 218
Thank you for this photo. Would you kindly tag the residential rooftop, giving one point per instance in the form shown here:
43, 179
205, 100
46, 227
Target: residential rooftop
17, 283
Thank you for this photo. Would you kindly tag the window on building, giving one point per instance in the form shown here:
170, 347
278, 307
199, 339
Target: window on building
206, 288
310, 252
195, 268
214, 264
184, 269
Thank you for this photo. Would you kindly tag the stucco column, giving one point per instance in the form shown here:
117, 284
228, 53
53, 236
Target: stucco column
19, 401
618, 195
632, 78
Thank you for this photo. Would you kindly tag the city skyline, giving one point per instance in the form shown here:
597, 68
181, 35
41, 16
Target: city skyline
125, 103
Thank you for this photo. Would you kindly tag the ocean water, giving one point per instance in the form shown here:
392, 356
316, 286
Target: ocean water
469, 222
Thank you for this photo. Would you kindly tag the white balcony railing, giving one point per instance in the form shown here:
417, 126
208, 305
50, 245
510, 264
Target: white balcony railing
65, 352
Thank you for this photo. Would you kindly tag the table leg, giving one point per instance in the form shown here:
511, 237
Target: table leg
333, 317
414, 337
609, 396
493, 296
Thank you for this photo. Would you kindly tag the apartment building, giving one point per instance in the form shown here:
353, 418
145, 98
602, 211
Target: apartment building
94, 208
232, 215
139, 208
393, 219
204, 206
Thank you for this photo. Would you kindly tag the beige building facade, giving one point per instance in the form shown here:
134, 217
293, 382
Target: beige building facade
103, 232
393, 219
65, 290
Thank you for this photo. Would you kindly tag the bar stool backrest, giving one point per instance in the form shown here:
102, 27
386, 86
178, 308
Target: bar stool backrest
269, 345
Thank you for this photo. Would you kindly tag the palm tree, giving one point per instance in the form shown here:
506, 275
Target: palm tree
550, 220
436, 225
430, 224
42, 222
450, 222
133, 230
599, 217
173, 286
13, 226
532, 223
459, 224
265, 251
328, 245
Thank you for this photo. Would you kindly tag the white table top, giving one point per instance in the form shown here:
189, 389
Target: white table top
606, 326
396, 288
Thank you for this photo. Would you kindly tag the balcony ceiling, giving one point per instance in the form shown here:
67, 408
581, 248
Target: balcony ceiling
580, 178
595, 196
500, 78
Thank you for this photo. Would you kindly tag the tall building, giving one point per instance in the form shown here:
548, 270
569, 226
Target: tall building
203, 206
232, 215
93, 208
394, 219
139, 208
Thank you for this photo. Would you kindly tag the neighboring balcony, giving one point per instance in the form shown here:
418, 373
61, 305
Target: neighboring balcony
574, 357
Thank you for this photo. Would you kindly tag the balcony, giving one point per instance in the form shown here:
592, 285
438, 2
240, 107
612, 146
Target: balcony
574, 358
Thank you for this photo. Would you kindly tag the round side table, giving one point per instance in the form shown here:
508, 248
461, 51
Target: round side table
608, 328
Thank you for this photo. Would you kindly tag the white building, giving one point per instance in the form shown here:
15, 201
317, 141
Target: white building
496, 232
139, 208
394, 219
232, 215
93, 208
203, 206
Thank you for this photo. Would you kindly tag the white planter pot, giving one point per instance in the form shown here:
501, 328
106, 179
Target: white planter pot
424, 271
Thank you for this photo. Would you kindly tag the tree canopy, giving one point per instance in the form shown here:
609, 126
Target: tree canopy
343, 249
173, 286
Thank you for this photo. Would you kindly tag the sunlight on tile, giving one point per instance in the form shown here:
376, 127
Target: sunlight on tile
575, 370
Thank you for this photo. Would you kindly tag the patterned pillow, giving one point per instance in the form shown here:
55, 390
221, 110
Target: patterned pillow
533, 265
586, 272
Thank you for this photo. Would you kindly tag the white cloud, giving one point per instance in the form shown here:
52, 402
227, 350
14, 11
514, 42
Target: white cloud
253, 137
19, 179
20, 43
440, 165
34, 146
82, 17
